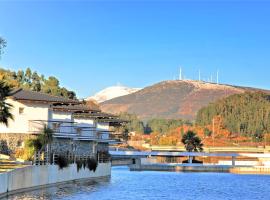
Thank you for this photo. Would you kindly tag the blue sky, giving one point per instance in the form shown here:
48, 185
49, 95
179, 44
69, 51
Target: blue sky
90, 45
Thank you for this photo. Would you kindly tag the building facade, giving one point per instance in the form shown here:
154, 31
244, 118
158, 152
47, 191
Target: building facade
77, 129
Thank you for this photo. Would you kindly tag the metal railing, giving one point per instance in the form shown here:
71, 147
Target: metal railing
44, 158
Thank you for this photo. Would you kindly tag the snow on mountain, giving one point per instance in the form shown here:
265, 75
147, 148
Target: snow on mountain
112, 92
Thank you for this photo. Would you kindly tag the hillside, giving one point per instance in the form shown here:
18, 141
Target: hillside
112, 92
172, 99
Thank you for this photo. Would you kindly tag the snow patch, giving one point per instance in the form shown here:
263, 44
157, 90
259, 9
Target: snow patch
112, 92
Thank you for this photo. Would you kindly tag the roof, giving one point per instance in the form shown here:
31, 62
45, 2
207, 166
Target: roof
27, 95
96, 115
100, 116
75, 108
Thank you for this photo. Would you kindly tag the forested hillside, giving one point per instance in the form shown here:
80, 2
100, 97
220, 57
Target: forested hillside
33, 81
247, 114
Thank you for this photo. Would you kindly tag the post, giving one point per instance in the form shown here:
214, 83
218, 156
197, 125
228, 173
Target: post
233, 160
190, 158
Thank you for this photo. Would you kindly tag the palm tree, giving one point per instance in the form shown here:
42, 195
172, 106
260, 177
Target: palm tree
45, 139
5, 108
46, 135
192, 142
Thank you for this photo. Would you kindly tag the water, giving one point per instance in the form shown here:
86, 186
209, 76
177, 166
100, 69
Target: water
159, 186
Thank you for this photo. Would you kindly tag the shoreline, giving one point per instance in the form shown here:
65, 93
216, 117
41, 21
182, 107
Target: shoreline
83, 180
36, 177
263, 170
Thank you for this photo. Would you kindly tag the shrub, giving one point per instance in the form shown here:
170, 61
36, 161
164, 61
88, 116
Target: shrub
62, 162
92, 164
79, 164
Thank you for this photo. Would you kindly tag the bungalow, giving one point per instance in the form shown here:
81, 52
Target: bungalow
77, 129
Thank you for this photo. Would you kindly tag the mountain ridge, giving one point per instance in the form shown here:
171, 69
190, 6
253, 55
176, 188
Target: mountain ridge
172, 99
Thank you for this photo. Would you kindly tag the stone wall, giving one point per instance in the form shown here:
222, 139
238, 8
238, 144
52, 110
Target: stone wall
10, 142
61, 145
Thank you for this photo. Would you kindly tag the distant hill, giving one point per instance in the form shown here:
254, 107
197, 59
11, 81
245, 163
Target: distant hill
172, 99
112, 92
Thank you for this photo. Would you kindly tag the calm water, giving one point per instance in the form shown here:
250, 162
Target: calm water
159, 186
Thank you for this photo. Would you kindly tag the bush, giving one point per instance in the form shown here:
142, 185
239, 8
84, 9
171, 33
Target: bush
79, 164
4, 147
194, 161
92, 164
62, 162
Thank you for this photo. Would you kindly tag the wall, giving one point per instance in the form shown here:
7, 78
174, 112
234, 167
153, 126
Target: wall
35, 176
9, 142
81, 122
63, 117
64, 145
20, 124
102, 126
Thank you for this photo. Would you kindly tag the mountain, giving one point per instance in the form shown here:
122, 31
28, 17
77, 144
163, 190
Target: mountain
112, 92
172, 99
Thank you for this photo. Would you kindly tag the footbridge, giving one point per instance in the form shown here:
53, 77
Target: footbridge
132, 155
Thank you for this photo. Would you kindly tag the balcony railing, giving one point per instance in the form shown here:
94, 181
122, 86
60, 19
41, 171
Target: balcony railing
68, 129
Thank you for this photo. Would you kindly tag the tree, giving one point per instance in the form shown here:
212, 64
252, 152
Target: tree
3, 44
246, 114
192, 142
5, 108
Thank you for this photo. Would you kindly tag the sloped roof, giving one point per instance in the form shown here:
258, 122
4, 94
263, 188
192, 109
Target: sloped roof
75, 108
21, 94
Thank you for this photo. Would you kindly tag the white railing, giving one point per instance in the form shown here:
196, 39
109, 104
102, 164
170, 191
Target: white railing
68, 129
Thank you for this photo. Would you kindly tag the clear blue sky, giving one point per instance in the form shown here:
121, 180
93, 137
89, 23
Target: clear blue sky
90, 45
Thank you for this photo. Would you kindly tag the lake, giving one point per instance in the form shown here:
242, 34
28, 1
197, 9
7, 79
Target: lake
159, 186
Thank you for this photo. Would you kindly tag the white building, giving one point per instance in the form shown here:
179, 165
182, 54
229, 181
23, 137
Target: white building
77, 128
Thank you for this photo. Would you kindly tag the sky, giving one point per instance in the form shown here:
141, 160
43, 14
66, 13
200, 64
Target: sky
90, 45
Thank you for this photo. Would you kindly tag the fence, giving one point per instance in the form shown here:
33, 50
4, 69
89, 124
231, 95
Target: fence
44, 158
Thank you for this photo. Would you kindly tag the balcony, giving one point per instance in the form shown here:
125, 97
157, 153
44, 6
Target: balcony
64, 129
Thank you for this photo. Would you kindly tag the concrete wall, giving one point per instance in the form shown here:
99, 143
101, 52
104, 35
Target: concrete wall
36, 176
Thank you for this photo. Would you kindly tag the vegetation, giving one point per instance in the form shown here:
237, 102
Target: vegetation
62, 162
92, 164
163, 125
246, 114
79, 164
43, 140
3, 44
133, 125
30, 80
5, 107
207, 132
192, 142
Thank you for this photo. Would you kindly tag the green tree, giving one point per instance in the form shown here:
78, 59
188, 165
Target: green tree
246, 114
5, 108
192, 142
207, 132
36, 85
3, 44
35, 82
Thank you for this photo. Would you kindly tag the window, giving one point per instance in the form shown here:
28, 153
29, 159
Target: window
21, 110
55, 126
